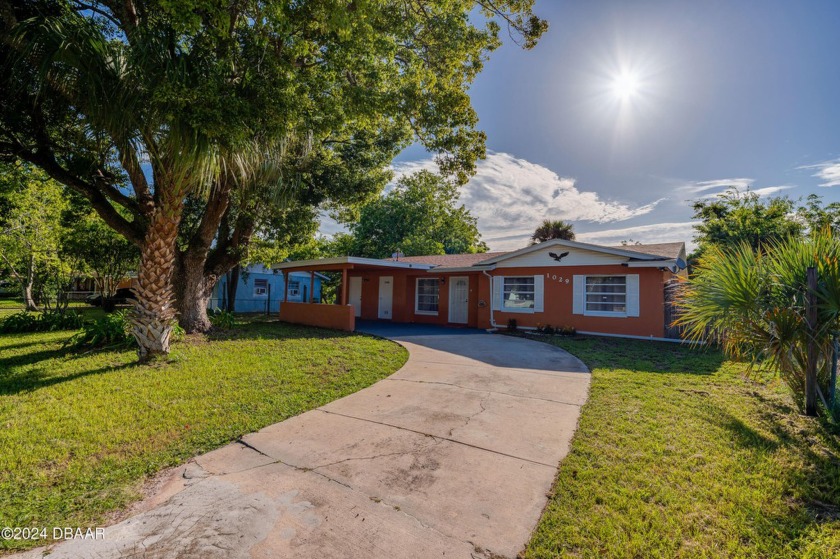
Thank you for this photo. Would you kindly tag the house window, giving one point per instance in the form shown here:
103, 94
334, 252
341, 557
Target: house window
294, 288
606, 294
426, 296
260, 287
518, 293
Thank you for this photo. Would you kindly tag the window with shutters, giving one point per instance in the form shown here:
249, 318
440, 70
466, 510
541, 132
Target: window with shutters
426, 296
518, 293
606, 295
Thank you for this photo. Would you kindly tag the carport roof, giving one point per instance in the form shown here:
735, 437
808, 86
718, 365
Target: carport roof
348, 262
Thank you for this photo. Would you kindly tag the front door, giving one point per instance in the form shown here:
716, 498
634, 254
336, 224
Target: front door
459, 299
355, 294
386, 297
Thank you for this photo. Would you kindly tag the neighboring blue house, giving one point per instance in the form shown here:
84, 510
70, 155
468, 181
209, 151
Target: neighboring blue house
261, 289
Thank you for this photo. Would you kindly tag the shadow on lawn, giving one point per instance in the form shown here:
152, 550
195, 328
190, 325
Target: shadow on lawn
274, 330
643, 356
40, 378
814, 487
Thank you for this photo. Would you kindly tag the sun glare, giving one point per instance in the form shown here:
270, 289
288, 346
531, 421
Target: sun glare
625, 85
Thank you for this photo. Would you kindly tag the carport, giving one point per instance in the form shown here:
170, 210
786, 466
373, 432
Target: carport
341, 315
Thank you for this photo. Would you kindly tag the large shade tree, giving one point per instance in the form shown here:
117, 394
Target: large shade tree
145, 107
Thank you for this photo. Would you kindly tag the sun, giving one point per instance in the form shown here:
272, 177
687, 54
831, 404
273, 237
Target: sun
625, 85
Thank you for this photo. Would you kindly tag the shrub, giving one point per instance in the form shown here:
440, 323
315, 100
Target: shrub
223, 320
40, 322
565, 331
112, 330
512, 326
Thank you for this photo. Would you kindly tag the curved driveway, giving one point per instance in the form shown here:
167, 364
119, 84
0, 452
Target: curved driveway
452, 456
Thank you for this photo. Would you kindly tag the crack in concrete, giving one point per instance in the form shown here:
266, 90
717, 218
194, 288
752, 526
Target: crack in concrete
470, 417
484, 390
552, 466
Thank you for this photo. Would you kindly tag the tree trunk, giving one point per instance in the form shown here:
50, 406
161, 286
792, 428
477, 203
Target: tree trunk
193, 290
811, 367
154, 309
232, 286
28, 297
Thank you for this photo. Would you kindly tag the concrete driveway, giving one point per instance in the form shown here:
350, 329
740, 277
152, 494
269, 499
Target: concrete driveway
451, 456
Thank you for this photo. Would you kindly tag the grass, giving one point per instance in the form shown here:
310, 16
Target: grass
80, 433
12, 306
678, 454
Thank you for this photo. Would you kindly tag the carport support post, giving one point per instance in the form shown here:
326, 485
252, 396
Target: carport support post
286, 276
344, 286
312, 287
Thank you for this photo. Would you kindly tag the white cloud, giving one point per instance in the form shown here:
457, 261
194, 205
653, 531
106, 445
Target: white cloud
827, 171
721, 185
511, 196
652, 233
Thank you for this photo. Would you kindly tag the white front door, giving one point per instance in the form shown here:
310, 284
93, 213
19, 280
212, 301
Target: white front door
459, 299
386, 296
354, 294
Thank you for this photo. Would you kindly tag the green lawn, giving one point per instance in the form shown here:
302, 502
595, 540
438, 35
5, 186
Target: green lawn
12, 306
79, 433
677, 454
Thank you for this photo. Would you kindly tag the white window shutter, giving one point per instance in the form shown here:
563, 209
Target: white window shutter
633, 295
578, 294
539, 293
497, 293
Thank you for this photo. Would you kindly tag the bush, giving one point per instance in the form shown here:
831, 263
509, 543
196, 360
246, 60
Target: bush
512, 325
223, 320
566, 330
111, 331
21, 322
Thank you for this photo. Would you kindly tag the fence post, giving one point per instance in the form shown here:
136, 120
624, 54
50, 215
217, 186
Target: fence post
832, 383
811, 366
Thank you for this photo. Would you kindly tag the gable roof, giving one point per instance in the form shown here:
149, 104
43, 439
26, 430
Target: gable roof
663, 250
651, 252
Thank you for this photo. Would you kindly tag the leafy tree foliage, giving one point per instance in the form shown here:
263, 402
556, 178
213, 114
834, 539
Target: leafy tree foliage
737, 217
419, 216
553, 229
31, 232
239, 109
103, 254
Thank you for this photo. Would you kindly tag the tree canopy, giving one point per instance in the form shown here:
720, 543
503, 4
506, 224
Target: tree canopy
553, 229
743, 217
147, 106
419, 216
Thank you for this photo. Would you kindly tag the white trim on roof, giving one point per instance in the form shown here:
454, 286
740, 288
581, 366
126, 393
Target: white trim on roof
350, 260
670, 262
571, 244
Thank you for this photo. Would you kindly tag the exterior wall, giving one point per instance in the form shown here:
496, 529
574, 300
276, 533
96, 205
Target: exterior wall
247, 301
558, 299
337, 317
405, 287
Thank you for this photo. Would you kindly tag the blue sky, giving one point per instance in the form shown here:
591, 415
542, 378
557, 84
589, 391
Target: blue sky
728, 92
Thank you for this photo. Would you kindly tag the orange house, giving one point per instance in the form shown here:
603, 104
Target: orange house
595, 289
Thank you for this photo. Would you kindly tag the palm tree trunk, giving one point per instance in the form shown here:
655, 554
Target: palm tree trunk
154, 309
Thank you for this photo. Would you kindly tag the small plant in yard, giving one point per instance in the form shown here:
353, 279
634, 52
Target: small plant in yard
110, 331
512, 325
222, 319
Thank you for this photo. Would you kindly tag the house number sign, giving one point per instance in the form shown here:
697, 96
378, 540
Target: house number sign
555, 277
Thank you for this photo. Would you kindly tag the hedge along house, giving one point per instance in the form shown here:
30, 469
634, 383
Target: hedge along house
595, 289
260, 289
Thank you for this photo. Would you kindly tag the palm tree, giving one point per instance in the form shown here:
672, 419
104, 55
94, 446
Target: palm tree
754, 303
557, 229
